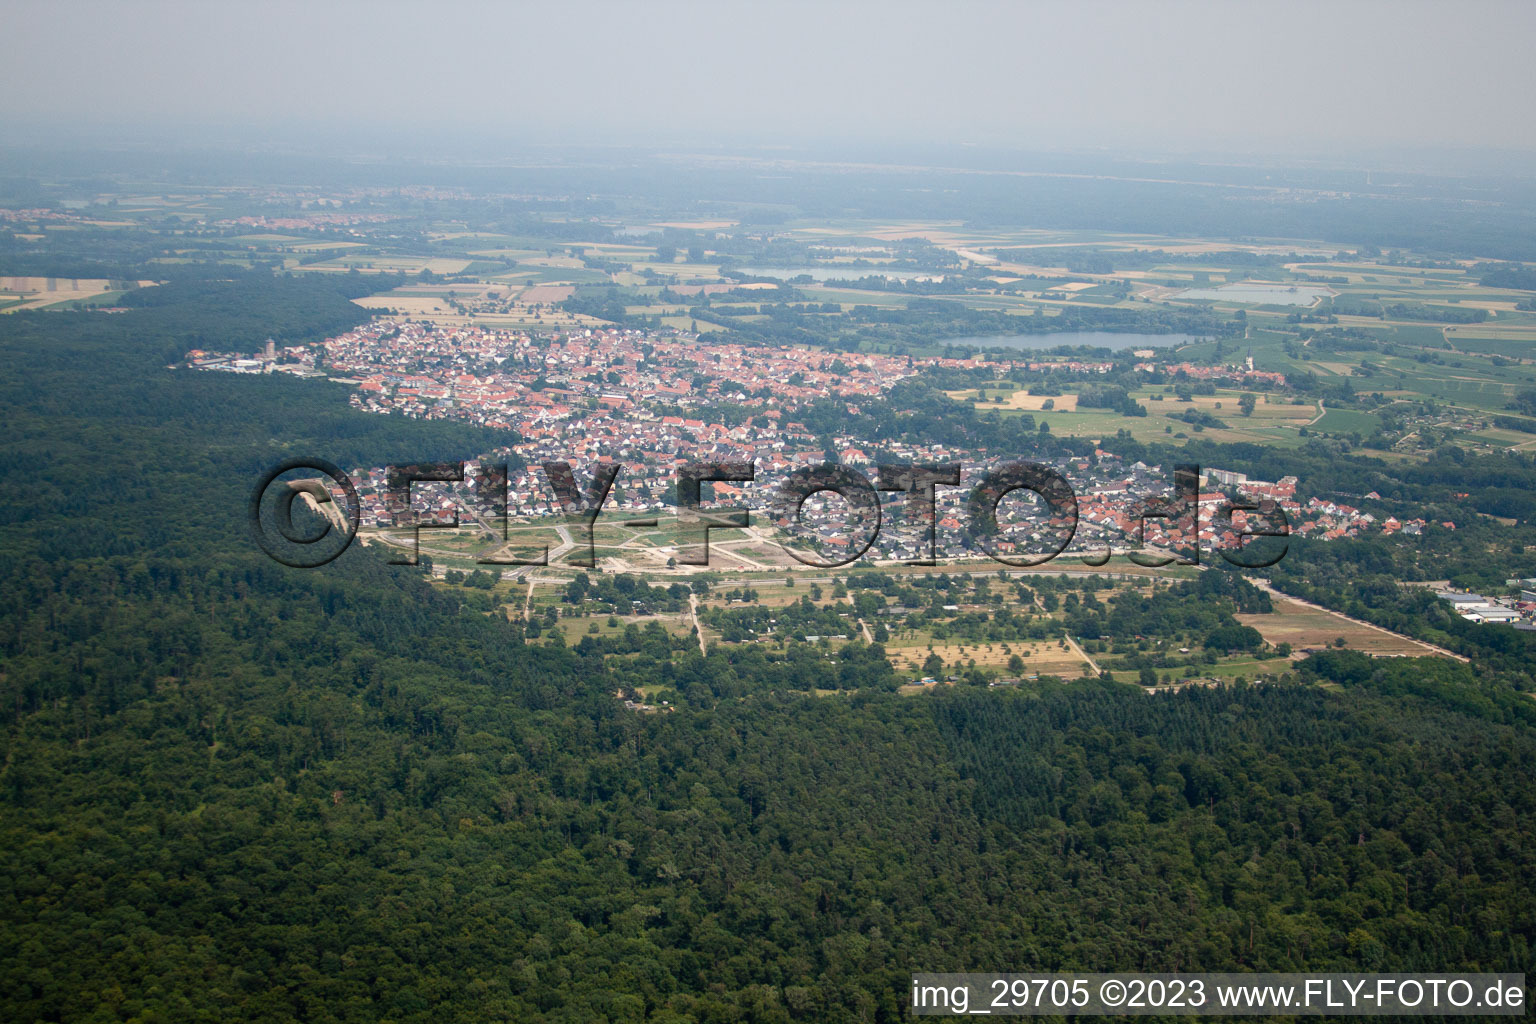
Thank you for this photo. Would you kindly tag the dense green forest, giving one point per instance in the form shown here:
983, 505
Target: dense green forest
232, 790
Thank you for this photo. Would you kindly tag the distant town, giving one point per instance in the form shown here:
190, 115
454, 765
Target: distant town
644, 398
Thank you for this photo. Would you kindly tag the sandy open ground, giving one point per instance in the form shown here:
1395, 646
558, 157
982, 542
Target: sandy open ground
1304, 628
1044, 658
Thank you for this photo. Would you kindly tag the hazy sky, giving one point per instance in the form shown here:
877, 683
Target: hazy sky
1329, 78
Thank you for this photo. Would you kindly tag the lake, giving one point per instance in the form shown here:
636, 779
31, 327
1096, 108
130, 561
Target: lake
1261, 294
1093, 339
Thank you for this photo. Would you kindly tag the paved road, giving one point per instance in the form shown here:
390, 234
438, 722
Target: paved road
869, 637
1083, 654
567, 543
693, 607
728, 547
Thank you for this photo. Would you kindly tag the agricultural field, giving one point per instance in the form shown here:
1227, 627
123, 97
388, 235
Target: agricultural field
1047, 658
1345, 421
509, 305
1309, 628
28, 293
1440, 347
1275, 419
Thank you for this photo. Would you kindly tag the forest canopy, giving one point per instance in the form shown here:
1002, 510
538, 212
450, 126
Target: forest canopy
230, 788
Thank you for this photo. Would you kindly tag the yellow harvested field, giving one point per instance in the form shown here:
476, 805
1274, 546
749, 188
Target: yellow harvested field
41, 292
50, 285
1305, 628
414, 305
1033, 403
1047, 658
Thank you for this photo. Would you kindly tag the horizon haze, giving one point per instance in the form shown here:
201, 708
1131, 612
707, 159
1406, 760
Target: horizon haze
1310, 82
